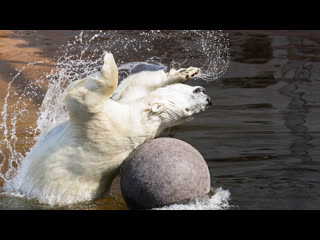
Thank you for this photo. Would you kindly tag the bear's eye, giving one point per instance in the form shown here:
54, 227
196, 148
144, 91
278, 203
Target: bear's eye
199, 90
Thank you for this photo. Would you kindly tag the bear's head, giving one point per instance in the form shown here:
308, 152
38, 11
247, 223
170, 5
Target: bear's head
177, 103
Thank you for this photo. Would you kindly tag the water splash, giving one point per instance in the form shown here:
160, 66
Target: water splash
83, 55
8, 126
172, 48
219, 201
7, 135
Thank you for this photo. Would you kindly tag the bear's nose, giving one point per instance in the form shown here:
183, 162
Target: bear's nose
209, 103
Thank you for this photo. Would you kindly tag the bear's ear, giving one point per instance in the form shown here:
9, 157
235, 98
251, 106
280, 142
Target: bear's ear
157, 108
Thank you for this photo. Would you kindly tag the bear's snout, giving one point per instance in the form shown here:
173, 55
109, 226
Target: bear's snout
209, 103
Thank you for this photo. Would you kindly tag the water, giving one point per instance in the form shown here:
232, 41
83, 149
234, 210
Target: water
260, 140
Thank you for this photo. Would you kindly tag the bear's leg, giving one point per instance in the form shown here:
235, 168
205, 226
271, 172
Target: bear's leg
108, 77
109, 72
181, 75
87, 95
161, 79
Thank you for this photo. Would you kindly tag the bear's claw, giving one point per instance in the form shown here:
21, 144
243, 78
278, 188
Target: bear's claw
184, 73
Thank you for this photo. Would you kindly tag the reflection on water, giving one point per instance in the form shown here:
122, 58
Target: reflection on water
290, 123
261, 139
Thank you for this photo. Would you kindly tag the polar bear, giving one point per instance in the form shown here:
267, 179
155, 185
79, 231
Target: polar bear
77, 160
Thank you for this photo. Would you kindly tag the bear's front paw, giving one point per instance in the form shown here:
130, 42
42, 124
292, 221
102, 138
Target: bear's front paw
184, 74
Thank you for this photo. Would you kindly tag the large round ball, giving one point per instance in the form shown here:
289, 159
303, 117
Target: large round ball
161, 172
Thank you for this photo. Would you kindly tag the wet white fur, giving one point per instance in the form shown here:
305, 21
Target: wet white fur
77, 160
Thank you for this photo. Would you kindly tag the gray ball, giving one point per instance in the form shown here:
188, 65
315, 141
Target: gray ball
161, 172
146, 67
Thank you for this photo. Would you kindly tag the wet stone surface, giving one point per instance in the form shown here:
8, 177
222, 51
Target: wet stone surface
161, 172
